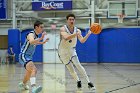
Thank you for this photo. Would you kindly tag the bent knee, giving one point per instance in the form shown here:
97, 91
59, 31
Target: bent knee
34, 70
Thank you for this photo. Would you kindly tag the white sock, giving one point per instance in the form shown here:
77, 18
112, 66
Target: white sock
33, 80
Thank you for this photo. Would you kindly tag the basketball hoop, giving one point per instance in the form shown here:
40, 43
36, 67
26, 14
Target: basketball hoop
120, 18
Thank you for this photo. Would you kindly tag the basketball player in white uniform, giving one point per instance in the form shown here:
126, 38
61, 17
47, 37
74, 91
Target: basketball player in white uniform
67, 53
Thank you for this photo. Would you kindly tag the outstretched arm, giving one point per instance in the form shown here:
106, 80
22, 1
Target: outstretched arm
81, 38
31, 39
46, 40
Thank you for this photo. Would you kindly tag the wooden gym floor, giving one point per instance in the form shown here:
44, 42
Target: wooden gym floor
55, 78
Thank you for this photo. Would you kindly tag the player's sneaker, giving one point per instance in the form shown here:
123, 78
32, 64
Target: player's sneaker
36, 89
79, 85
91, 86
23, 86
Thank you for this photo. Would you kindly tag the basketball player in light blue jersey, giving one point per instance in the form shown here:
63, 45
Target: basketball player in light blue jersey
25, 56
66, 50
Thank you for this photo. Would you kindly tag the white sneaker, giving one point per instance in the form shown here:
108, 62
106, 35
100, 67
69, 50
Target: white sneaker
93, 88
22, 86
36, 89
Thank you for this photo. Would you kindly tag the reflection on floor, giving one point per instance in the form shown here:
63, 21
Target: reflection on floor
55, 78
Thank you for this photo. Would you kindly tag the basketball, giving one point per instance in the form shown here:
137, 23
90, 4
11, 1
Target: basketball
95, 28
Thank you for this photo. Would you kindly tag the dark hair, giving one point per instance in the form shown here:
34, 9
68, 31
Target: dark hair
37, 23
70, 15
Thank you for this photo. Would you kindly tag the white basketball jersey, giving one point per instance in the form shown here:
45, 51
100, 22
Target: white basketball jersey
66, 48
68, 43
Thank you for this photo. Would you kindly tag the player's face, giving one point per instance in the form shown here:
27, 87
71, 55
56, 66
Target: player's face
71, 21
40, 28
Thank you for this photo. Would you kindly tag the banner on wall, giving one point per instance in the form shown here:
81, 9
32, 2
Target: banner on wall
3, 12
39, 5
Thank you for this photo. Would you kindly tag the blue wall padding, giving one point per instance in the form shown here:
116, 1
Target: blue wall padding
23, 35
14, 40
112, 45
120, 45
87, 52
38, 55
80, 49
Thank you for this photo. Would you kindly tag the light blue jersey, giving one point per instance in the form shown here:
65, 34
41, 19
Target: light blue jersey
27, 50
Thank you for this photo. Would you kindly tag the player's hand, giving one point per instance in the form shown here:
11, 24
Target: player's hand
43, 34
89, 32
78, 33
46, 40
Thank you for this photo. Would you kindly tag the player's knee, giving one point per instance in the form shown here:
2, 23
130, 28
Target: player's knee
34, 70
76, 60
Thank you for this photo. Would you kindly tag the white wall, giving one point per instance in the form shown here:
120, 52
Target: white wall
3, 31
50, 54
3, 54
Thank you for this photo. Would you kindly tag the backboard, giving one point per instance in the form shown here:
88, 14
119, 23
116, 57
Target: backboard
125, 7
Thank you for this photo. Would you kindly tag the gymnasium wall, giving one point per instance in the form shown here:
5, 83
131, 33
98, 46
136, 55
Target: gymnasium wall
120, 45
112, 45
87, 52
16, 38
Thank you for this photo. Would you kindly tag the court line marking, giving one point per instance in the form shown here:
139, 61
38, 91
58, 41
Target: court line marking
131, 82
122, 88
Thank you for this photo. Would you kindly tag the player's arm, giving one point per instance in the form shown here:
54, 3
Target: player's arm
65, 35
81, 38
43, 42
31, 39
